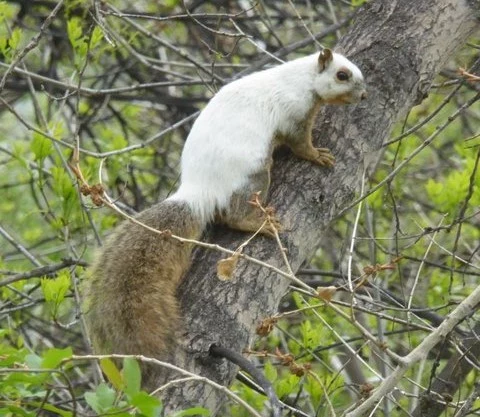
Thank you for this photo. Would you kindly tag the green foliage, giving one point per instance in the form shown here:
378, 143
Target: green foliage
27, 384
53, 357
286, 385
66, 193
172, 3
450, 192
7, 11
112, 373
41, 146
311, 334
74, 5
32, 375
10, 39
126, 395
75, 32
83, 41
131, 377
194, 411
270, 371
78, 40
15, 38
102, 400
147, 405
8, 45
54, 290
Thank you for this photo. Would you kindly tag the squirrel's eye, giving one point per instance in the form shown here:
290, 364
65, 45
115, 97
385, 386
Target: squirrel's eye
342, 76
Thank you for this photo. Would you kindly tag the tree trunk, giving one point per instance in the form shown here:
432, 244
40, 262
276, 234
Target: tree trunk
400, 46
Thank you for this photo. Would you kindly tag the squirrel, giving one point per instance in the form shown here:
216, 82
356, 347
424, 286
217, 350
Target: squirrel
130, 302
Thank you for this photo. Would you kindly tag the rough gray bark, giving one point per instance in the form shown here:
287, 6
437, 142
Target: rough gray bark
400, 46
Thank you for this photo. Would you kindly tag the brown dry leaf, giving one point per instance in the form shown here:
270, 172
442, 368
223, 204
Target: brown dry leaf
296, 369
266, 326
370, 270
226, 267
326, 293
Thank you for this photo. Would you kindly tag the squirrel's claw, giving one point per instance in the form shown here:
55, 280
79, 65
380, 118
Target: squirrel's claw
324, 157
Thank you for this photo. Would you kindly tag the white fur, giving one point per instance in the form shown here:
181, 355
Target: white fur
231, 139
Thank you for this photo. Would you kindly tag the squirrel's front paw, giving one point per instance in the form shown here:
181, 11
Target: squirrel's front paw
324, 157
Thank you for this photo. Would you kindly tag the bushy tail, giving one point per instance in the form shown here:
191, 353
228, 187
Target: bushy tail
130, 305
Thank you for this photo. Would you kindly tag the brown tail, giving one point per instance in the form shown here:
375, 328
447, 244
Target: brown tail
130, 304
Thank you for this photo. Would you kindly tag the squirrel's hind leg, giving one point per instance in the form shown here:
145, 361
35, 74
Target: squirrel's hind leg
247, 217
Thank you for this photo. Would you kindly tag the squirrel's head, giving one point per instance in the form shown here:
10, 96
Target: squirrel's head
339, 80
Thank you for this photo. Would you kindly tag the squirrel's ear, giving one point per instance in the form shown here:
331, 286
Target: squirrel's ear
325, 58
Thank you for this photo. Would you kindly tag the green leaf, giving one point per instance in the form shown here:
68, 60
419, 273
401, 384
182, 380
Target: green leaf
196, 411
74, 31
51, 408
286, 385
18, 154
16, 38
97, 36
33, 361
148, 405
375, 200
311, 335
13, 410
41, 146
92, 401
7, 11
113, 374
270, 371
102, 399
62, 184
170, 4
314, 389
64, 188
53, 357
3, 45
33, 379
132, 377
55, 289
118, 142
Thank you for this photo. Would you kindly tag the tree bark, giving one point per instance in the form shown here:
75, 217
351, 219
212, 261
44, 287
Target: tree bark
400, 46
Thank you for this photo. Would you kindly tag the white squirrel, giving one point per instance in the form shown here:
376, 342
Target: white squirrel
130, 302
234, 135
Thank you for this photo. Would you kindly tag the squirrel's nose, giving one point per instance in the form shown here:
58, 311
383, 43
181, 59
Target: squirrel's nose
363, 96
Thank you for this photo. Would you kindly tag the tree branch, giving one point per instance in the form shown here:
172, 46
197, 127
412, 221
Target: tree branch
463, 310
434, 401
